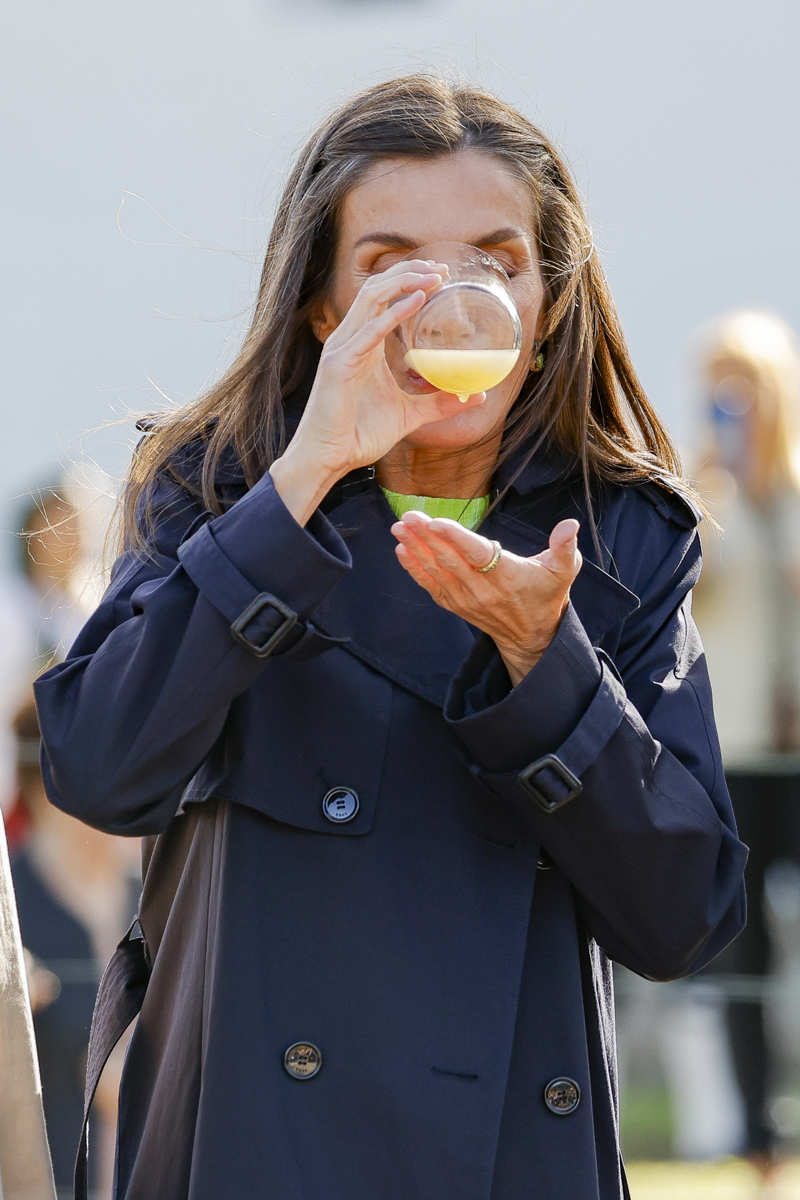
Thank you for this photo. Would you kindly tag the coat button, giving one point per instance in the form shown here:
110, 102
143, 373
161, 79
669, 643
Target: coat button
301, 1060
544, 862
340, 804
562, 1096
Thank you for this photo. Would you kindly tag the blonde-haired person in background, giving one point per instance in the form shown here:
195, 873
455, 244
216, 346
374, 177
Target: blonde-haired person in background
747, 606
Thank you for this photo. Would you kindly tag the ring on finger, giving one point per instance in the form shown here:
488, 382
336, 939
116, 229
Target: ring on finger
497, 550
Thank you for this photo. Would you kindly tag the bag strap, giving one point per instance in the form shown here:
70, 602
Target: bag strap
119, 999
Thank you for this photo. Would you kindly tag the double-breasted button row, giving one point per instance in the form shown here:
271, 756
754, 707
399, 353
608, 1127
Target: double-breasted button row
340, 804
302, 1060
562, 1095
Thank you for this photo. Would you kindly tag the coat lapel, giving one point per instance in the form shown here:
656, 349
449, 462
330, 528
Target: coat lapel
393, 624
600, 600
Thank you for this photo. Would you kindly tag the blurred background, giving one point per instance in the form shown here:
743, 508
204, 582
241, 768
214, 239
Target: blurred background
146, 148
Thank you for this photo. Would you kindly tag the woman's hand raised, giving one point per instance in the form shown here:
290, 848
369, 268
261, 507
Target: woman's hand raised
519, 602
356, 411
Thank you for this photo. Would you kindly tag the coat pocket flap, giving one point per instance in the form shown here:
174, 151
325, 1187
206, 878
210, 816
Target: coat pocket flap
294, 749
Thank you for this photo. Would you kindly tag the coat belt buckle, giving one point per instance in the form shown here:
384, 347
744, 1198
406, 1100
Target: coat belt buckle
531, 780
259, 602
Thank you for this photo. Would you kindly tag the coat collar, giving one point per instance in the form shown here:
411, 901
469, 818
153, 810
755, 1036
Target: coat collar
522, 472
525, 472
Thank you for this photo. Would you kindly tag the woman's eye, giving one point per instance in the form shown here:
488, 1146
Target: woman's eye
510, 268
385, 260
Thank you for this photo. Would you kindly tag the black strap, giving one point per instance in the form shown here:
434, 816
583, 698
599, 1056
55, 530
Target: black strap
119, 999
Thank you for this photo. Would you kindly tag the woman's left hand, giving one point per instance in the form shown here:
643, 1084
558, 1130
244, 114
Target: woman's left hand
519, 603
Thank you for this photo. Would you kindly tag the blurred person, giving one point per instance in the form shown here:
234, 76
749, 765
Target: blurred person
39, 616
16, 669
26, 1171
53, 586
747, 606
75, 889
49, 553
407, 784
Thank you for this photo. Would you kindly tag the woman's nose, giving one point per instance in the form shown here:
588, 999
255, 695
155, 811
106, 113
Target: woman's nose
453, 328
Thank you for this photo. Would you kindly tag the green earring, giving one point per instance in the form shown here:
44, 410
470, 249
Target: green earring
538, 363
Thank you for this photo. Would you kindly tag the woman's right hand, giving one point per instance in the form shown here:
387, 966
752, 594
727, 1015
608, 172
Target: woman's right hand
356, 411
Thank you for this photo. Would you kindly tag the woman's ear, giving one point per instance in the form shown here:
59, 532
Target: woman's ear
322, 319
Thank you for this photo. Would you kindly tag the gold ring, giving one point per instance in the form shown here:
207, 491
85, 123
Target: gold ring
498, 550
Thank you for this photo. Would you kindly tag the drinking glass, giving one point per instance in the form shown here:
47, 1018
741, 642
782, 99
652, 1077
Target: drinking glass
467, 335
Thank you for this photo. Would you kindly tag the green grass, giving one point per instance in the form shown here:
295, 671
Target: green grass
646, 1128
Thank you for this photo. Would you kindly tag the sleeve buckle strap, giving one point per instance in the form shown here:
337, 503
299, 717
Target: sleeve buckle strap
259, 602
548, 792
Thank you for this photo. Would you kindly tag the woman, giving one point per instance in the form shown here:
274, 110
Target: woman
400, 808
748, 609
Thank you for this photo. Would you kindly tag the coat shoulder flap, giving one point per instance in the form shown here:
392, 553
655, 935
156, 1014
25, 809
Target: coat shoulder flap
672, 502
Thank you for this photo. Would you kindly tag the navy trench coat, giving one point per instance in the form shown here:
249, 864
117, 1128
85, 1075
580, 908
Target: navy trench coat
382, 889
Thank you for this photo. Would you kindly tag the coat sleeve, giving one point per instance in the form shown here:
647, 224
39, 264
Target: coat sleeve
621, 782
143, 693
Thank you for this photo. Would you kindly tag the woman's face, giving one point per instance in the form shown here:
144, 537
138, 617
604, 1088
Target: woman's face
404, 203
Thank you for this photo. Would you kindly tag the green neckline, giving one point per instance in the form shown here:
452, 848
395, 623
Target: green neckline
469, 513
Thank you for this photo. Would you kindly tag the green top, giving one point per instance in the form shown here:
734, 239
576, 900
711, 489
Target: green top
468, 512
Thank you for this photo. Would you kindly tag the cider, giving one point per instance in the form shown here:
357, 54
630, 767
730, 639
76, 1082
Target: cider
463, 372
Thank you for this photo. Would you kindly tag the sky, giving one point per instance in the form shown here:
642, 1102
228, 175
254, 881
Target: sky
148, 146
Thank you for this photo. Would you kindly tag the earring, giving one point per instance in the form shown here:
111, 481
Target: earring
537, 363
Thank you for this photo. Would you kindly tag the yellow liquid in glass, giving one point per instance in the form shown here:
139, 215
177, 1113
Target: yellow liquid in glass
463, 372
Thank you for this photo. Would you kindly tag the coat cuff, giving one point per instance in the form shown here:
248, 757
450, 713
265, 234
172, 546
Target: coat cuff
265, 573
533, 742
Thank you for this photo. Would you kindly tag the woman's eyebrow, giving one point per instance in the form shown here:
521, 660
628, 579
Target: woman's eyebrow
403, 243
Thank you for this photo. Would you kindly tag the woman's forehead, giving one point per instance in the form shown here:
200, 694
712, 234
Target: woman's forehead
463, 196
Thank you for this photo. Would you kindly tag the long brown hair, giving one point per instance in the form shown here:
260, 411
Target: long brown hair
587, 401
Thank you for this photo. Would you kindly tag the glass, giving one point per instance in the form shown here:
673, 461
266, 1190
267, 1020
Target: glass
467, 335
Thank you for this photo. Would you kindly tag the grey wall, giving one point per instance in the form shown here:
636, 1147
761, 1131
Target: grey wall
147, 145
